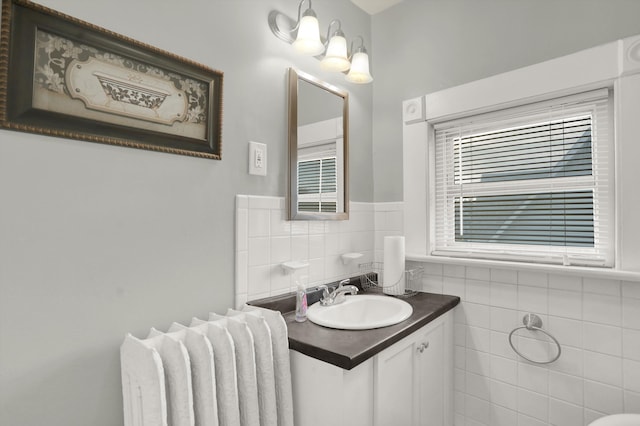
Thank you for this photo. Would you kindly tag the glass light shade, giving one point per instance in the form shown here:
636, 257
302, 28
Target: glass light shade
308, 38
359, 72
336, 57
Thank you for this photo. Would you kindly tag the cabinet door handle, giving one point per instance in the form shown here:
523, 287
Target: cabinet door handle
422, 347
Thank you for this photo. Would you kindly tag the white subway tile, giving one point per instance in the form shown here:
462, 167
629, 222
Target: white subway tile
458, 403
478, 292
261, 202
477, 315
454, 271
533, 378
280, 249
460, 357
300, 227
631, 402
259, 222
501, 416
601, 286
478, 273
590, 416
258, 251
500, 345
631, 289
601, 309
566, 331
534, 349
300, 247
530, 421
532, 299
570, 362
432, 284
601, 338
533, 278
432, 268
478, 339
504, 320
562, 413
566, 387
242, 230
631, 313
565, 282
279, 226
242, 271
566, 304
477, 409
477, 385
603, 398
631, 375
459, 380
316, 246
505, 276
258, 282
279, 280
242, 201
505, 370
603, 368
478, 362
453, 287
533, 404
631, 344
504, 295
459, 334
504, 394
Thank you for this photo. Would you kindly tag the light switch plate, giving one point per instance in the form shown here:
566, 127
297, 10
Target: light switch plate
257, 158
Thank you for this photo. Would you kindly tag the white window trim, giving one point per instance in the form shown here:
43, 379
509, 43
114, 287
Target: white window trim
614, 65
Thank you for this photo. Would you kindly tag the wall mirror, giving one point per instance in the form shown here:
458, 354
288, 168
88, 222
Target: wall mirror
318, 149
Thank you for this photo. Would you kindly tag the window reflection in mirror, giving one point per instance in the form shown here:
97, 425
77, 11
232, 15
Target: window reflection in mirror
318, 123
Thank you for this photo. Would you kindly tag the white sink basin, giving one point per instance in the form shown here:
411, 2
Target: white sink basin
618, 420
361, 312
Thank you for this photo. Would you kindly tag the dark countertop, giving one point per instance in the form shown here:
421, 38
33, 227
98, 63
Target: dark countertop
349, 348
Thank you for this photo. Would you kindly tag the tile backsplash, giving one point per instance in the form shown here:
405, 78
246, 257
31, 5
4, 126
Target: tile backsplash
597, 321
265, 239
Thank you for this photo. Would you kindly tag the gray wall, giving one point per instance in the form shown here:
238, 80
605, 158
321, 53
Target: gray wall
97, 241
421, 46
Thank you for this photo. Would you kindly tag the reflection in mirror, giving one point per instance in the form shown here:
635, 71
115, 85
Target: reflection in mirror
318, 147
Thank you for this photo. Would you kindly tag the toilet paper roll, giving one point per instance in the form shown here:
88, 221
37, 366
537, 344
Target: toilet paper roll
393, 279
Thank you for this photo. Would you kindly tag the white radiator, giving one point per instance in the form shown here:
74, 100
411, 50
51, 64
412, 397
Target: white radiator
231, 370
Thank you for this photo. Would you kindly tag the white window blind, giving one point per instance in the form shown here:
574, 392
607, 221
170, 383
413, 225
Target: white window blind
317, 179
532, 183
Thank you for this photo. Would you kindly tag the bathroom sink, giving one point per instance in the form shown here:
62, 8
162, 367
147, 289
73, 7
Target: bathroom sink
618, 420
361, 312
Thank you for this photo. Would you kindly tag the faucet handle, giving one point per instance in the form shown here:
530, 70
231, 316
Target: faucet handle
325, 291
344, 282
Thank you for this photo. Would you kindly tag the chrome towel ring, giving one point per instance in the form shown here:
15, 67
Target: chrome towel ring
534, 323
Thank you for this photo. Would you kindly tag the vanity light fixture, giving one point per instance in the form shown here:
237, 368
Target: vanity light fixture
332, 52
359, 72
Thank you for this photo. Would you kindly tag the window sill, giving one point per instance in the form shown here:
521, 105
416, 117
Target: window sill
605, 273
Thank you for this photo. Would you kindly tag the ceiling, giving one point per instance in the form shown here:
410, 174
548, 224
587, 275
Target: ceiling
374, 6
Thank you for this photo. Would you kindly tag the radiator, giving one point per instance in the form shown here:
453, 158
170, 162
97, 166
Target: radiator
230, 370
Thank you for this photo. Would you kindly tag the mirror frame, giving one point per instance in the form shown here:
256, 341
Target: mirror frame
292, 194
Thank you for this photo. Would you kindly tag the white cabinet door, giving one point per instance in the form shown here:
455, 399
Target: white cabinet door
409, 379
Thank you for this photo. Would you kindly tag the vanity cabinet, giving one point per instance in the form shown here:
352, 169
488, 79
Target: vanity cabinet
408, 383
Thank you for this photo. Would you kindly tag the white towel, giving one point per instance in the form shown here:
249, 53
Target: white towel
177, 374
282, 367
264, 364
245, 368
143, 388
225, 366
205, 405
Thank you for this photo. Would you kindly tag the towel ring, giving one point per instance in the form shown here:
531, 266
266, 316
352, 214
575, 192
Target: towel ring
533, 322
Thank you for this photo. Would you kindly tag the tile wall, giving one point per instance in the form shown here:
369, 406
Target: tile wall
596, 321
264, 240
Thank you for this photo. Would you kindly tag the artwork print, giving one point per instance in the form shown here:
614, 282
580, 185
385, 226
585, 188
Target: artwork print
65, 77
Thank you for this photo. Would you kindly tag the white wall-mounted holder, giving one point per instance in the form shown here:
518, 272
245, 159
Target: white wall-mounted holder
350, 257
293, 265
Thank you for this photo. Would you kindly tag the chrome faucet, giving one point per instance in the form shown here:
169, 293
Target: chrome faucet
338, 295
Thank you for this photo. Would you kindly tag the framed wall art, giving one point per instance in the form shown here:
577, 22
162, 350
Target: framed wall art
64, 77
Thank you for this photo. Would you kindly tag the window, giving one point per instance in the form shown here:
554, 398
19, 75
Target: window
531, 183
317, 185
